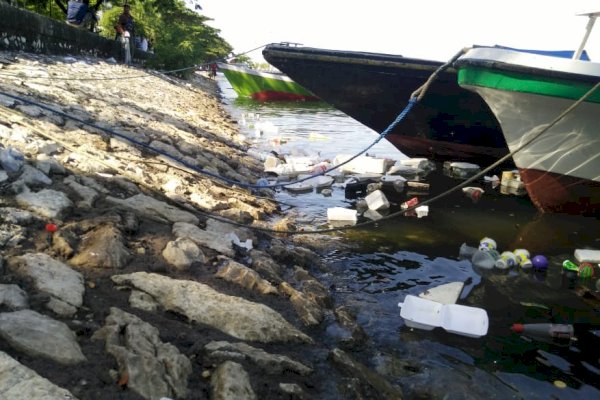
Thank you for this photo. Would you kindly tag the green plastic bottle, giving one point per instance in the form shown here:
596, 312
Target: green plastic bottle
570, 266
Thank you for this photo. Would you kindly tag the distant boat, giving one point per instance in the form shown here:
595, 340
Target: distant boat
526, 92
450, 123
264, 86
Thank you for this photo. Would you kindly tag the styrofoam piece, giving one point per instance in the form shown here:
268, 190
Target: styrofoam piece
301, 163
587, 255
455, 318
341, 214
393, 178
377, 201
419, 163
320, 181
372, 215
362, 164
447, 293
421, 313
464, 320
422, 211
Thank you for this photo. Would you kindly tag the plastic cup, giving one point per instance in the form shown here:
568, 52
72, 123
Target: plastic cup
507, 260
487, 244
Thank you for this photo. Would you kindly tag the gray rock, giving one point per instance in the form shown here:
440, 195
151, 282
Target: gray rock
308, 310
40, 336
154, 369
182, 252
102, 247
293, 390
13, 297
231, 382
51, 276
16, 216
371, 380
237, 273
47, 202
270, 363
235, 316
266, 266
154, 209
204, 238
88, 195
142, 301
32, 176
17, 382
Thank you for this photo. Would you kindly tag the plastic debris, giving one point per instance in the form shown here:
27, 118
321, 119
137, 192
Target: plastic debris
485, 259
554, 333
507, 260
474, 193
410, 203
447, 293
455, 318
363, 164
377, 201
523, 258
466, 252
540, 262
487, 244
461, 170
341, 214
587, 255
422, 211
236, 240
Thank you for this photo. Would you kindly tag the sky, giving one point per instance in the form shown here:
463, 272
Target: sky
428, 29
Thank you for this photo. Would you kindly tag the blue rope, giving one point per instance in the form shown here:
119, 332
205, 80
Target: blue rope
412, 101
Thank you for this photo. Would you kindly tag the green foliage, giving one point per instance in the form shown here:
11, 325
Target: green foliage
180, 37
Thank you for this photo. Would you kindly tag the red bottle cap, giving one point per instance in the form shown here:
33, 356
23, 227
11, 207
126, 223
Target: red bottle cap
517, 328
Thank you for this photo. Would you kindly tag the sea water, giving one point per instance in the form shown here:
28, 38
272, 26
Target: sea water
407, 255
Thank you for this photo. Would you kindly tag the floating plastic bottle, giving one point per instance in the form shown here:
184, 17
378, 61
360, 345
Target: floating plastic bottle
487, 244
561, 334
466, 252
523, 258
507, 260
570, 266
485, 259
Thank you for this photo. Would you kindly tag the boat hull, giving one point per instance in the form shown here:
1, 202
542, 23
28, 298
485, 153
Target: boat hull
264, 86
449, 123
560, 168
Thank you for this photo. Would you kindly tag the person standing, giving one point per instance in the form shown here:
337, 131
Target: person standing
79, 14
125, 28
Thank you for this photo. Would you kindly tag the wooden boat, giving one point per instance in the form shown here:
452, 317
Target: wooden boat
264, 86
450, 123
526, 92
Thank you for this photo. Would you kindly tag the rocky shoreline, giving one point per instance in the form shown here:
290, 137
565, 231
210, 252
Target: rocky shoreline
121, 278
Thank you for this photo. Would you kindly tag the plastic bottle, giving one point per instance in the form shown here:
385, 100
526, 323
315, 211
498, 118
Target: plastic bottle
466, 252
554, 333
570, 266
507, 260
487, 244
485, 259
523, 258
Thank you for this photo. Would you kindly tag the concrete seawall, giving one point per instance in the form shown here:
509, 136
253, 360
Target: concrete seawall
26, 31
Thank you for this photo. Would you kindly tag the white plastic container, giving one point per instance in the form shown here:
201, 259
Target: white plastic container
341, 214
377, 201
455, 318
587, 255
422, 211
363, 164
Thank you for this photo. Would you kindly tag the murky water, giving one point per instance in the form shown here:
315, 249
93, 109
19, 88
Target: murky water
407, 255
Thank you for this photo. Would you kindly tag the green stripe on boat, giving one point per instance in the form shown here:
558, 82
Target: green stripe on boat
526, 83
248, 84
